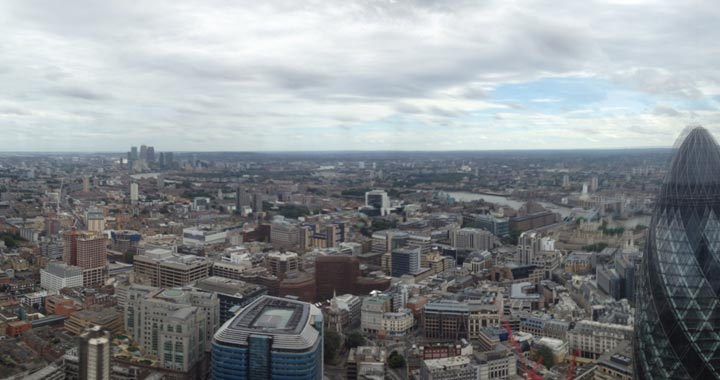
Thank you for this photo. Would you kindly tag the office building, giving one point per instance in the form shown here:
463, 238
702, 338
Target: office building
609, 281
371, 312
280, 263
405, 261
530, 245
94, 355
284, 234
387, 240
677, 323
498, 226
233, 295
125, 241
162, 268
497, 364
109, 320
272, 338
625, 266
173, 325
593, 339
379, 200
472, 239
58, 275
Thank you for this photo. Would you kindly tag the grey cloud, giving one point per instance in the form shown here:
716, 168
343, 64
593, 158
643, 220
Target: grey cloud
663, 110
172, 66
80, 93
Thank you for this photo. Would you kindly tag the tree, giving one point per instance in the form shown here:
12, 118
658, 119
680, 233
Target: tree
396, 360
548, 359
355, 339
331, 346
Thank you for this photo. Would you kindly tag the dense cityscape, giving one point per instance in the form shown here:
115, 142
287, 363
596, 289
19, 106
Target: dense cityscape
380, 265
359, 190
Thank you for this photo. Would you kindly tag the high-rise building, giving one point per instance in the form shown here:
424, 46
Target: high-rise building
169, 160
134, 153
150, 155
88, 251
677, 323
86, 184
272, 338
143, 152
134, 192
594, 184
95, 354
566, 181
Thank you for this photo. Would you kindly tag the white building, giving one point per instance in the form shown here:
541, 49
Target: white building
203, 235
34, 298
134, 192
58, 275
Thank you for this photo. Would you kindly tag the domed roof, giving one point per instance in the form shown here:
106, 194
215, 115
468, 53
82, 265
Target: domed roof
694, 175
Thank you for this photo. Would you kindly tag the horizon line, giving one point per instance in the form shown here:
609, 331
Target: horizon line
344, 151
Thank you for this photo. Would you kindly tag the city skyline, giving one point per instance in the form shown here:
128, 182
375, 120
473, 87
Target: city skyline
378, 75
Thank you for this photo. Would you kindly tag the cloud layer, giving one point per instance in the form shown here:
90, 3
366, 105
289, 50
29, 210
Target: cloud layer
325, 75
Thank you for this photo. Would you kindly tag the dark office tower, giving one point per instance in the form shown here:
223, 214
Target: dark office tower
677, 323
161, 160
133, 153
151, 154
169, 159
143, 152
95, 354
237, 200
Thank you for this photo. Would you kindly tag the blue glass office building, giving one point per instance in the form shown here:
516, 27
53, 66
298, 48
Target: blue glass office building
270, 339
677, 326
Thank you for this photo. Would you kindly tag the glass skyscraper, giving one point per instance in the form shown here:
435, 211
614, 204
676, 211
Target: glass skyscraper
677, 325
270, 339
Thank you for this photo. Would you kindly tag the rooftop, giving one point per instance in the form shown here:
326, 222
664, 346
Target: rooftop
290, 322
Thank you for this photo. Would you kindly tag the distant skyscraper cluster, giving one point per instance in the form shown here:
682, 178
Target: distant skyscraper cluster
146, 157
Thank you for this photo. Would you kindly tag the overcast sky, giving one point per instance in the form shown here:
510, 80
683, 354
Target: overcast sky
364, 75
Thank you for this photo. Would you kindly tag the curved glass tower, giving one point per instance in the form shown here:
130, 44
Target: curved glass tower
677, 323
